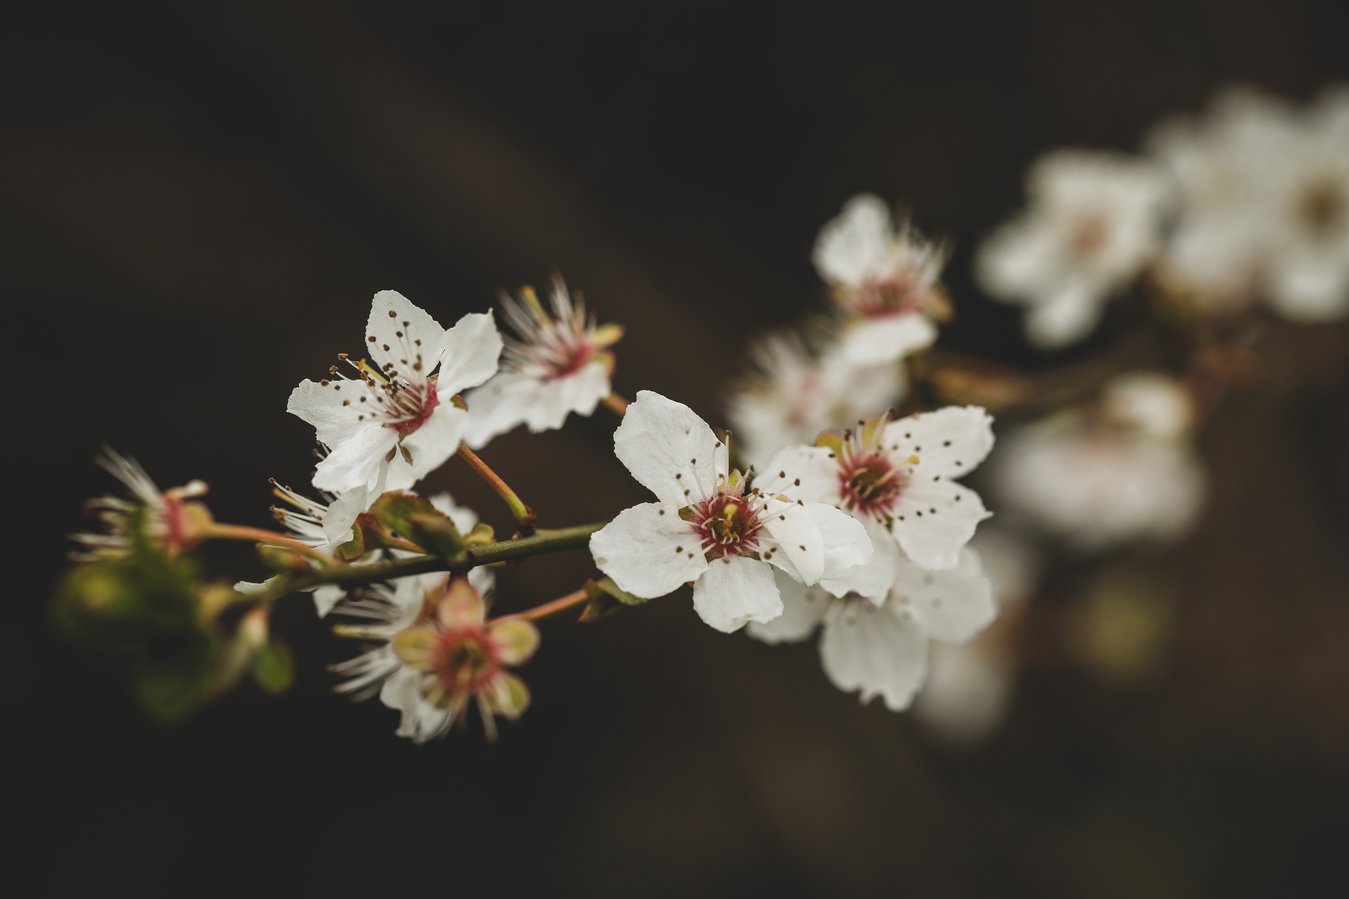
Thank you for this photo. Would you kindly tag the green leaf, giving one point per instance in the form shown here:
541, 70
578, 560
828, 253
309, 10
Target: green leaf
399, 514
274, 667
606, 601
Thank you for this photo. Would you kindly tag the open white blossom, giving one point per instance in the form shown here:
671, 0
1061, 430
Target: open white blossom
884, 280
795, 394
393, 420
897, 478
708, 527
969, 685
1265, 204
1093, 224
1121, 471
882, 650
560, 365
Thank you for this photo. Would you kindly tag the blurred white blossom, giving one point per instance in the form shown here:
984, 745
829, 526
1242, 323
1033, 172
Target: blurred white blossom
1120, 471
1264, 190
1093, 223
884, 280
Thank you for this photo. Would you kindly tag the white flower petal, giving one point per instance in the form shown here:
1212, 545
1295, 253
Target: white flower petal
341, 516
499, 406
880, 340
648, 550
874, 578
952, 605
853, 247
421, 720
934, 519
579, 392
806, 473
799, 548
1064, 317
802, 609
326, 596
876, 652
847, 545
322, 406
471, 351
949, 442
392, 333
669, 449
357, 462
429, 446
734, 591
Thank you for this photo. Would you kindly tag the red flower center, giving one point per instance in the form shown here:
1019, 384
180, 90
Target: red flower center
429, 401
871, 484
727, 526
465, 660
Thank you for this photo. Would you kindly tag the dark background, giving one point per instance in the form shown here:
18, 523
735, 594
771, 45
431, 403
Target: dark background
196, 204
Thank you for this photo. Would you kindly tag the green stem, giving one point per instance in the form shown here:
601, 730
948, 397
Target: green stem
540, 542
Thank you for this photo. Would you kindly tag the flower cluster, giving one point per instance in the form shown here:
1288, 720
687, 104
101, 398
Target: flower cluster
841, 506
1249, 202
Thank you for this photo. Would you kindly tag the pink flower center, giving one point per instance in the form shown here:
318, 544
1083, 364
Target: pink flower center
419, 411
566, 358
871, 484
726, 526
900, 294
464, 661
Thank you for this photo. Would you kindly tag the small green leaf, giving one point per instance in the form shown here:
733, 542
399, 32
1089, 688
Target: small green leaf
274, 667
606, 600
407, 516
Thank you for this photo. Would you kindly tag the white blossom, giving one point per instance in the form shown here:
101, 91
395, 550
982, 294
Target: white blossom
897, 478
1093, 223
882, 650
795, 394
1265, 204
392, 420
884, 279
560, 365
1123, 470
709, 527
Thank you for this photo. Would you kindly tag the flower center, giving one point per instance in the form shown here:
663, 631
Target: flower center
871, 484
897, 295
1321, 206
567, 357
464, 661
1088, 236
726, 526
416, 405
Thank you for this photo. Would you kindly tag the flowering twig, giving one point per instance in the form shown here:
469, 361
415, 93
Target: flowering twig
615, 404
268, 538
542, 541
523, 514
562, 604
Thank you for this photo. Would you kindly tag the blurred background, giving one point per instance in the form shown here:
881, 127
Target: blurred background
197, 202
